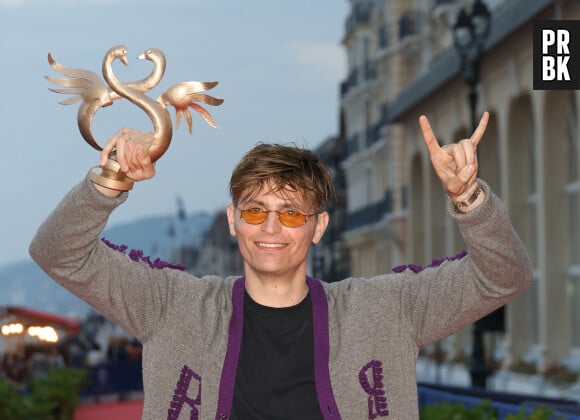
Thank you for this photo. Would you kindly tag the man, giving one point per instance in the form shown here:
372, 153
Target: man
275, 343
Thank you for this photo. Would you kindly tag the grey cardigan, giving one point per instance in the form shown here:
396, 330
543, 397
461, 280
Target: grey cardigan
367, 331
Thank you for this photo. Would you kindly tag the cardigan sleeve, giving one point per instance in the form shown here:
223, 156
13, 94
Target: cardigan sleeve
453, 293
68, 248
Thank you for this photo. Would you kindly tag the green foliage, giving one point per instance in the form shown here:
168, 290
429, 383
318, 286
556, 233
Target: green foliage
539, 413
53, 397
11, 404
482, 411
457, 411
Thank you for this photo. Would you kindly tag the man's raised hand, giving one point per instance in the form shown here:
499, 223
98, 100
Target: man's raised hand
130, 148
455, 164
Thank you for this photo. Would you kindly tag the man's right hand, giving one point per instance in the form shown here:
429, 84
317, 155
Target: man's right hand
130, 148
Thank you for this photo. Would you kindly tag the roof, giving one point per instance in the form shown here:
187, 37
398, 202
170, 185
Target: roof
504, 22
70, 325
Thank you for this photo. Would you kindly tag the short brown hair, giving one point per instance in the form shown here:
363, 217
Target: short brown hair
284, 167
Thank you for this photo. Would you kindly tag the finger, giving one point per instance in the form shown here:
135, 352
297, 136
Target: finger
141, 142
110, 146
473, 178
459, 157
146, 168
145, 161
459, 184
136, 175
132, 138
120, 152
428, 136
478, 133
130, 156
107, 151
136, 153
468, 151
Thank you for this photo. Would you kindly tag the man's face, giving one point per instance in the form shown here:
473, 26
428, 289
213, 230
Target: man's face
271, 248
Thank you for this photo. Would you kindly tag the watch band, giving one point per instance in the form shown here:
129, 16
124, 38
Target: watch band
468, 202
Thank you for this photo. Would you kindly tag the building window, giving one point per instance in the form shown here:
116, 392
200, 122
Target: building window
408, 25
383, 36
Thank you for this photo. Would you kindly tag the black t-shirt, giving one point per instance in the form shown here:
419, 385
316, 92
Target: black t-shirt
275, 374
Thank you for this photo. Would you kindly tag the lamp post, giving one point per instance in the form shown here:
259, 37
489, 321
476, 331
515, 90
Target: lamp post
470, 31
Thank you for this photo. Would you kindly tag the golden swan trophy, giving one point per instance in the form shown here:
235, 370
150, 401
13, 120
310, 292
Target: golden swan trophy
86, 86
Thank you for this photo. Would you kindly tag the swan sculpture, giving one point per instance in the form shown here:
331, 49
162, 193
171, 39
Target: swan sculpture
156, 111
86, 86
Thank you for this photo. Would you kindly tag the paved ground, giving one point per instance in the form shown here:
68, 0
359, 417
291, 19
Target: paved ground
118, 410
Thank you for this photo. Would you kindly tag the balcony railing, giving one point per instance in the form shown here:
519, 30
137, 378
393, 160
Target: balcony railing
374, 213
370, 214
373, 134
368, 71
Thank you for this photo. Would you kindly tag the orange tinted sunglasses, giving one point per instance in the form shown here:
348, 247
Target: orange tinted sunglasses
290, 218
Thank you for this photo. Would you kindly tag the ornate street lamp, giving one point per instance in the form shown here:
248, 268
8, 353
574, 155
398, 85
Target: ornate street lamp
470, 32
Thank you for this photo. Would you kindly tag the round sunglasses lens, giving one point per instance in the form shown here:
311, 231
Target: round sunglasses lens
292, 219
254, 217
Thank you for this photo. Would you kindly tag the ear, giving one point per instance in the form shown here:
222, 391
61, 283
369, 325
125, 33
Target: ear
321, 224
230, 211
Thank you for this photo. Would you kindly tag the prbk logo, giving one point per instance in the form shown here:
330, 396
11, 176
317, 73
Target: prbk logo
557, 54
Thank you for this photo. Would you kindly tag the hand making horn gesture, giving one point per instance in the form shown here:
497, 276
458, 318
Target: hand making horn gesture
456, 164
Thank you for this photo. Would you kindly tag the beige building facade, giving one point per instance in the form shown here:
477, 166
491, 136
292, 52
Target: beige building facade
402, 63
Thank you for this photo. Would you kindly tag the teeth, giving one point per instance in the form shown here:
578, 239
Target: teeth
270, 245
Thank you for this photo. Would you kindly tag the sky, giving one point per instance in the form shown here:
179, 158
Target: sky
279, 65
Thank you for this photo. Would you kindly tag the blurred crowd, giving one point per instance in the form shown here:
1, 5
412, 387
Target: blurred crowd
34, 363
37, 361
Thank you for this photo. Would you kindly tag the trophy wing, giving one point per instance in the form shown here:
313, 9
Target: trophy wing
84, 85
183, 96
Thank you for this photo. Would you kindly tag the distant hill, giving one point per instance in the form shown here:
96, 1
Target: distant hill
24, 284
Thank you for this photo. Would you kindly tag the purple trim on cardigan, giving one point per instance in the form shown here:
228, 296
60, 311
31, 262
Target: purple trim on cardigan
436, 262
228, 378
137, 255
377, 401
180, 397
322, 350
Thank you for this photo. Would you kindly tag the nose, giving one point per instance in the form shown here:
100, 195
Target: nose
272, 224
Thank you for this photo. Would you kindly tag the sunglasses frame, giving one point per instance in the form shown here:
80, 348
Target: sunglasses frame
307, 217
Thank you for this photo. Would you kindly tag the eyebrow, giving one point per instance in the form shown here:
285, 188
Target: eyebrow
285, 206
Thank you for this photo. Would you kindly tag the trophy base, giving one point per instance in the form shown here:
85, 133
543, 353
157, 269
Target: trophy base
109, 179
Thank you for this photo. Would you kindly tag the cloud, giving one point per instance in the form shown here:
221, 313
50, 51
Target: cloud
328, 59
